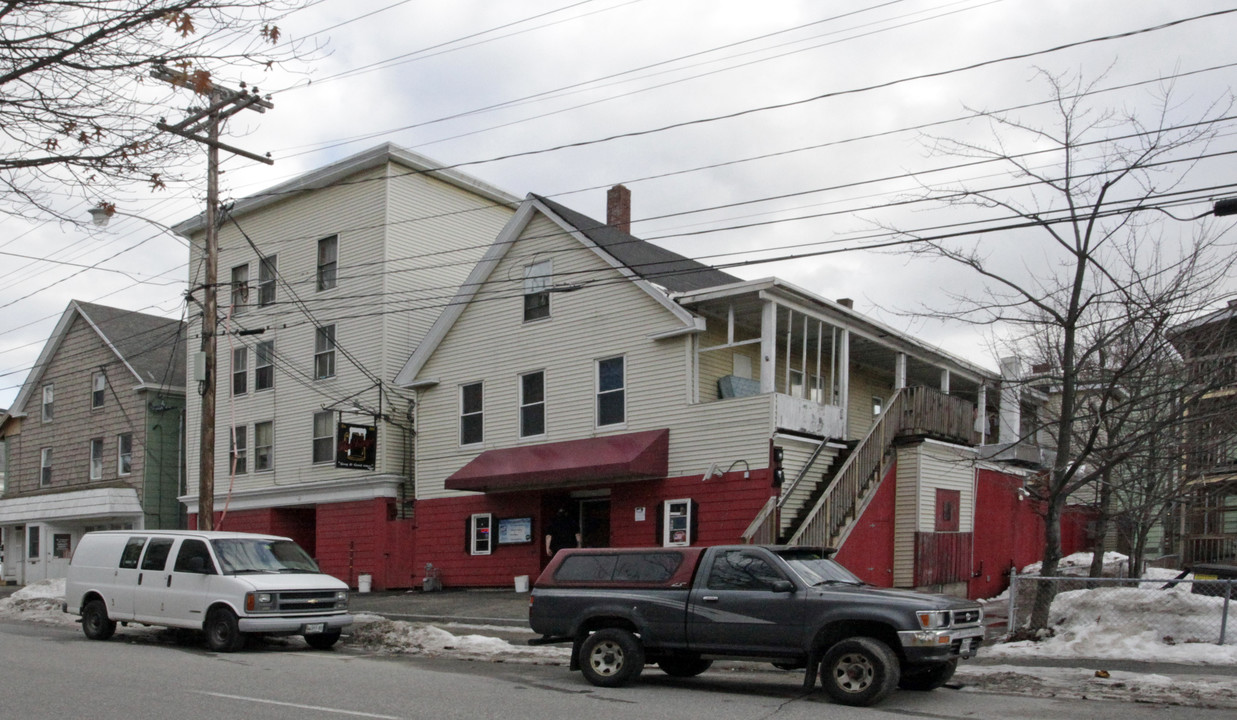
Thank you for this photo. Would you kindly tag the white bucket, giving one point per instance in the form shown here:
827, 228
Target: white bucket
364, 582
521, 583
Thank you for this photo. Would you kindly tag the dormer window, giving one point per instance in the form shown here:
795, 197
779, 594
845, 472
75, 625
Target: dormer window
537, 290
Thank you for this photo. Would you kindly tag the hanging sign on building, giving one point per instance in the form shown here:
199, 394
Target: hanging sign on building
356, 446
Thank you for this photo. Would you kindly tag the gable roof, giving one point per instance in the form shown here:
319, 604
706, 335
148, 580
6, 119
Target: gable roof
151, 348
337, 171
651, 262
655, 270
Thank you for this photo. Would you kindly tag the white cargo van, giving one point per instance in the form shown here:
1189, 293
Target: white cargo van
225, 584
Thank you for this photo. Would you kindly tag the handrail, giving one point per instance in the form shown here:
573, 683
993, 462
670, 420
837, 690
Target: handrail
807, 467
842, 496
763, 529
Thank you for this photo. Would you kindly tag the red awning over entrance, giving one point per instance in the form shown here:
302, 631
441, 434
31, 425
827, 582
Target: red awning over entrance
574, 463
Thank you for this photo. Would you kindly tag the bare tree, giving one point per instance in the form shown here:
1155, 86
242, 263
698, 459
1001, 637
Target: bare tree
1097, 282
77, 109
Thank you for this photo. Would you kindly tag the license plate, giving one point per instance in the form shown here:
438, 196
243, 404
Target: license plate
315, 628
966, 646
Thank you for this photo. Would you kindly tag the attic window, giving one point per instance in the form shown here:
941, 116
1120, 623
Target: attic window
537, 290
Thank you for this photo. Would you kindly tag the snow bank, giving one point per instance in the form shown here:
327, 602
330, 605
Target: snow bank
381, 635
38, 602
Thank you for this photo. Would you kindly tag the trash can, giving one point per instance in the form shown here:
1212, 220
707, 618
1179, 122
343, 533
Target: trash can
1212, 571
521, 583
364, 582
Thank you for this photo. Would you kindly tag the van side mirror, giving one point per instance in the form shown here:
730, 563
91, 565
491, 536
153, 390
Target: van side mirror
782, 586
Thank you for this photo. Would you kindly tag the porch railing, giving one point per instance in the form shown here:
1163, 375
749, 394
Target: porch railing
934, 414
840, 502
763, 530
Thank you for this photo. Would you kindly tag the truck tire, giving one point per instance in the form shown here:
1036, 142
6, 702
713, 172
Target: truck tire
611, 658
684, 667
223, 632
859, 671
95, 622
927, 677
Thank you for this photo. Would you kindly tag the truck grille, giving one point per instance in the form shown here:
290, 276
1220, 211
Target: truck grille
307, 601
971, 616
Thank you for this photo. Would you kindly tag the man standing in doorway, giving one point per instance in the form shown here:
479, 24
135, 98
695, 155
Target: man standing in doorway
562, 532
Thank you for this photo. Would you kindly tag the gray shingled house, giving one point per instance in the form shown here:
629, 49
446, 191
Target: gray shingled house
94, 439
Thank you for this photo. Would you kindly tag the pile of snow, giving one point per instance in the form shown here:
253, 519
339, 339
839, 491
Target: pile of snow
1079, 564
381, 635
39, 602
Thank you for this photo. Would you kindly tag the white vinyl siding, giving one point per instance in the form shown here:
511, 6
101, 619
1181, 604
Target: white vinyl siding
922, 469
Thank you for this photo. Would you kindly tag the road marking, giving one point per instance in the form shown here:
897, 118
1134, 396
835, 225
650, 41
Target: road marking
297, 705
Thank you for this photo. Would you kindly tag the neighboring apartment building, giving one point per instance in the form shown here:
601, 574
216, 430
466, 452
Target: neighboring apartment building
662, 402
1209, 515
328, 282
94, 439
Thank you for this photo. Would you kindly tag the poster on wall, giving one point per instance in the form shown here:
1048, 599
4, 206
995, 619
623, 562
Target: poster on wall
356, 446
515, 530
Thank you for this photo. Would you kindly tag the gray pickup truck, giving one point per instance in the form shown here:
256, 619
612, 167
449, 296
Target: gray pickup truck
793, 606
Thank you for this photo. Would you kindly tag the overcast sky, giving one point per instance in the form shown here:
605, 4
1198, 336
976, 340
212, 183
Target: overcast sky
821, 156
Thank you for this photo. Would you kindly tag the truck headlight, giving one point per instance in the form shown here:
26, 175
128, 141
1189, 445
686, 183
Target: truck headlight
341, 598
259, 601
932, 619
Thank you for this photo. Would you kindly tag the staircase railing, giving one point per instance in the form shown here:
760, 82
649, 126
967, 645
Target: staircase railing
840, 501
807, 467
763, 530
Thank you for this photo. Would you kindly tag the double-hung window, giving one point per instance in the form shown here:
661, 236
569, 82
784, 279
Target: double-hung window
472, 415
480, 538
96, 459
240, 370
537, 290
263, 446
264, 366
49, 397
240, 450
266, 280
324, 352
45, 467
328, 253
240, 287
124, 454
532, 404
98, 389
611, 392
324, 437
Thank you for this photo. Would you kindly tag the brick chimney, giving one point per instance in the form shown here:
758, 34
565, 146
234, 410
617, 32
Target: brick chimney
618, 208
846, 303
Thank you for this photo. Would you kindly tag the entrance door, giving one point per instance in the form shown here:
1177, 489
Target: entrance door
59, 552
36, 569
595, 522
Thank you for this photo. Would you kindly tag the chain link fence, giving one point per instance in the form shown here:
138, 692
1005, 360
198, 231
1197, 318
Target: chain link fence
1171, 611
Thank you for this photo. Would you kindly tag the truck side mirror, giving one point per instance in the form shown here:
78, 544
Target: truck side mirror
782, 586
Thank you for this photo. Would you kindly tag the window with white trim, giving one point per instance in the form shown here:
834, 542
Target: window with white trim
124, 454
324, 437
49, 397
611, 391
240, 370
96, 458
240, 287
324, 352
537, 290
238, 455
264, 366
45, 467
266, 280
677, 523
328, 252
532, 404
472, 414
480, 539
98, 389
263, 446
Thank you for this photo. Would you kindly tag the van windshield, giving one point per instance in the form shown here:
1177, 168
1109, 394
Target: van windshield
258, 555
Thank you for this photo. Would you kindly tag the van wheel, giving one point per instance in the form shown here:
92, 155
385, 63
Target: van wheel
95, 622
322, 641
611, 658
684, 666
859, 671
223, 632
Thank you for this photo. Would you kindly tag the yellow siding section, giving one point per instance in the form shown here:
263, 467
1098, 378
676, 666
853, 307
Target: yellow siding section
865, 384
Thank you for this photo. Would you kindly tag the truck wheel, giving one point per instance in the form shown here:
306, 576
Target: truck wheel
95, 622
323, 641
222, 631
684, 666
611, 657
859, 671
928, 677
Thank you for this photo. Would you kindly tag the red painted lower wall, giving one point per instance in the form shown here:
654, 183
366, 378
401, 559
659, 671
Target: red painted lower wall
868, 551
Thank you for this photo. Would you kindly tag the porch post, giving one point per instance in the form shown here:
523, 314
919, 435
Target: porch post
899, 371
981, 414
768, 346
945, 382
844, 377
